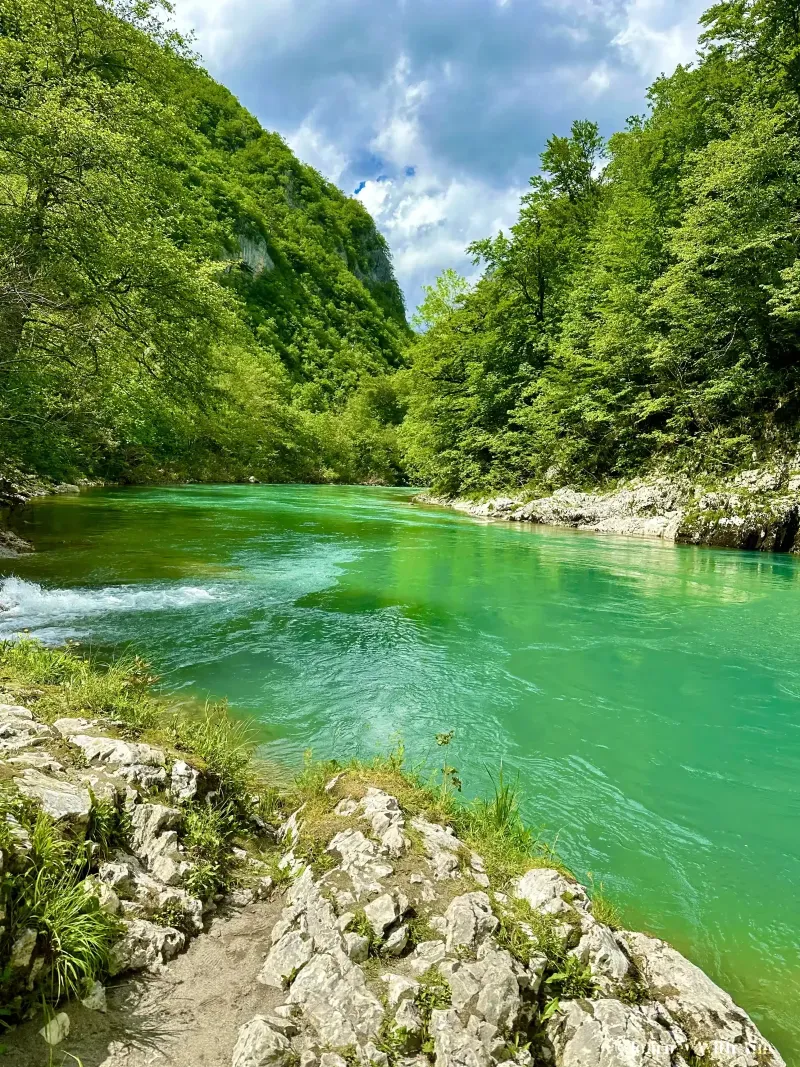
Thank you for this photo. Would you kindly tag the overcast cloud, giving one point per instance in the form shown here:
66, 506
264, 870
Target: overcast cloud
434, 112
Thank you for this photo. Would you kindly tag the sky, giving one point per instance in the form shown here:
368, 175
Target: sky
434, 112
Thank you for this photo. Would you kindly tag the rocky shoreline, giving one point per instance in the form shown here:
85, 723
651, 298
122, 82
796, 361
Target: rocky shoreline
754, 510
359, 927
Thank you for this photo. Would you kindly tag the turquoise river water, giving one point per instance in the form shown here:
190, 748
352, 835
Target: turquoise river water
647, 695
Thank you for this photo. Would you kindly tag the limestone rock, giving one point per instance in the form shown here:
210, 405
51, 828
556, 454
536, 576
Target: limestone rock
501, 979
361, 860
489, 988
19, 730
384, 814
95, 999
453, 1045
714, 1025
56, 1030
469, 920
22, 950
464, 984
333, 994
332, 1059
537, 965
398, 988
550, 893
608, 1033
39, 760
599, 950
290, 830
259, 1045
184, 781
382, 913
144, 944
155, 841
137, 763
756, 510
427, 954
285, 959
61, 800
356, 946
18, 847
408, 1017
395, 943
107, 899
104, 786
394, 840
69, 726
127, 879
442, 846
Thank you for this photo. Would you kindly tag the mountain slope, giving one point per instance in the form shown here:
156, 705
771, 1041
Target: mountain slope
179, 295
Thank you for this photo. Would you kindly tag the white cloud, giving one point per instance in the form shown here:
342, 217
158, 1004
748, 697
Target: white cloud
310, 145
658, 34
429, 220
599, 80
437, 112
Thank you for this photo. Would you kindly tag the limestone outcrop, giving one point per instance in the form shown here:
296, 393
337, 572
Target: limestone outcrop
757, 510
387, 943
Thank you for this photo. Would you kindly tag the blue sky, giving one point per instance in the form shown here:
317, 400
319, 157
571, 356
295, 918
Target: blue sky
436, 110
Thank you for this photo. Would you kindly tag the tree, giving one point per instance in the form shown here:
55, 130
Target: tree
441, 299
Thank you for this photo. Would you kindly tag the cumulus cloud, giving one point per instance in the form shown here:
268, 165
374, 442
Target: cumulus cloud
434, 114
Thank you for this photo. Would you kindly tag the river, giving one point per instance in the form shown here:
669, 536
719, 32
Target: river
648, 696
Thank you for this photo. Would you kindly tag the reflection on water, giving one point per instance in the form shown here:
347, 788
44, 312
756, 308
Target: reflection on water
647, 695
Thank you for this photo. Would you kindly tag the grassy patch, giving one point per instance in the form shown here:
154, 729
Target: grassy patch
224, 747
603, 908
433, 995
47, 896
360, 924
208, 832
72, 684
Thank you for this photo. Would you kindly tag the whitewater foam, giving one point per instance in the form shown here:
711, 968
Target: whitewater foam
31, 606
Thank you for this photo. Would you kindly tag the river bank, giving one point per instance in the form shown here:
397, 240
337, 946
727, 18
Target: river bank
360, 915
755, 510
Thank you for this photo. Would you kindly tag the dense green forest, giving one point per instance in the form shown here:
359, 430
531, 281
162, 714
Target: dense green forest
644, 312
179, 295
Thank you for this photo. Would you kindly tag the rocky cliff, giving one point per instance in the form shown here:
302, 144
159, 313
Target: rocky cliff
378, 937
756, 509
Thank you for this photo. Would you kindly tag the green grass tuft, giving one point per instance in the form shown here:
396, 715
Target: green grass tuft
48, 896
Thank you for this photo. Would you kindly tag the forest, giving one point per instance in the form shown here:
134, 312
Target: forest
644, 312
181, 298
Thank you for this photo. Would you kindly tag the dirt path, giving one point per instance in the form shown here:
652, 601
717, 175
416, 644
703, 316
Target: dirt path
188, 1016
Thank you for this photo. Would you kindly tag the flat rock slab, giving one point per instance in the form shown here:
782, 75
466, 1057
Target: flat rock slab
63, 801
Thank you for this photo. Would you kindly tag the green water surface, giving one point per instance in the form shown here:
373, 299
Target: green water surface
648, 695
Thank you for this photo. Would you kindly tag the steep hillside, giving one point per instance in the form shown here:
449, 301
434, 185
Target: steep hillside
179, 295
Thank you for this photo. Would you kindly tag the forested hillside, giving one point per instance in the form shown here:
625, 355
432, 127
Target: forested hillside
644, 313
179, 295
